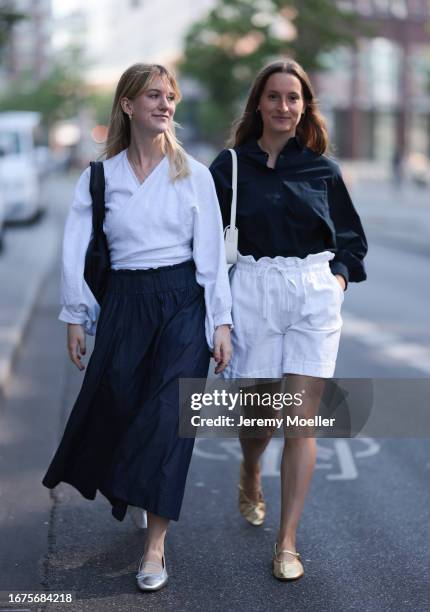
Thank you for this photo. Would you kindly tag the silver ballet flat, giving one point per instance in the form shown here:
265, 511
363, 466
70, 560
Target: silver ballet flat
148, 580
138, 516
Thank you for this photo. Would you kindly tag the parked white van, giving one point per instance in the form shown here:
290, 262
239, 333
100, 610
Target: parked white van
2, 218
19, 173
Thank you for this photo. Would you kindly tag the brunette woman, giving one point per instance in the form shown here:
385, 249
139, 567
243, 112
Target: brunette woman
300, 244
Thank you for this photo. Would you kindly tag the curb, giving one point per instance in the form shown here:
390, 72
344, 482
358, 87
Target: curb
18, 301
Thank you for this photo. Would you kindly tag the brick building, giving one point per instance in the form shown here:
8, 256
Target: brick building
377, 96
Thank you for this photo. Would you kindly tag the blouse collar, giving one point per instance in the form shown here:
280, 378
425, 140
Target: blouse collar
253, 149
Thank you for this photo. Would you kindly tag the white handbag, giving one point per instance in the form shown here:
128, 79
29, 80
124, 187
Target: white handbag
231, 233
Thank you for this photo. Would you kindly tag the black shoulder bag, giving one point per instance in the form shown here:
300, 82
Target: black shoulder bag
97, 261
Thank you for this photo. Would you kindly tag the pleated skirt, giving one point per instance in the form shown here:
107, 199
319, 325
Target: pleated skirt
121, 437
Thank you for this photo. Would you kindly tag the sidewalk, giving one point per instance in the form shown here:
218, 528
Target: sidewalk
28, 255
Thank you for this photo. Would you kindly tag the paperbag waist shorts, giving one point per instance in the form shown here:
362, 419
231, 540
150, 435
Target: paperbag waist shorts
286, 315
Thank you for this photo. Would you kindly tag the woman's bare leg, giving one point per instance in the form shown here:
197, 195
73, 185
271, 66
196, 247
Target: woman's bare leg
298, 461
155, 535
253, 448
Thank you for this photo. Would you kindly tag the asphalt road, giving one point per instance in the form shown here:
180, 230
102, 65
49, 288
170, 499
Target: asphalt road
364, 532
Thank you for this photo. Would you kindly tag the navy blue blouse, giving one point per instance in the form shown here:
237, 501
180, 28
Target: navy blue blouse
297, 208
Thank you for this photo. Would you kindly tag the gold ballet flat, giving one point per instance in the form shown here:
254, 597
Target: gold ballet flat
287, 570
253, 512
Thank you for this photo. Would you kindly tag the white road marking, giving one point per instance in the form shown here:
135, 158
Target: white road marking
272, 458
348, 471
388, 345
373, 447
341, 454
233, 448
200, 452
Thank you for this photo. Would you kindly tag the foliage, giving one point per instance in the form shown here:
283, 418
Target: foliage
101, 104
8, 18
225, 50
59, 96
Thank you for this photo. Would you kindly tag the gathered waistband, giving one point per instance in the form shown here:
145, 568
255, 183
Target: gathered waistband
152, 280
290, 269
312, 260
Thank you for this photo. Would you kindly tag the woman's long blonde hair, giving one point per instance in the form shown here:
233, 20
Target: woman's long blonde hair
312, 128
132, 83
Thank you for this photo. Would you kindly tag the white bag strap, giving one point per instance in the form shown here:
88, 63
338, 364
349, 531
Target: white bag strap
234, 188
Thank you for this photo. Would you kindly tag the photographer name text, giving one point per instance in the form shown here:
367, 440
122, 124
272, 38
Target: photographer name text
288, 421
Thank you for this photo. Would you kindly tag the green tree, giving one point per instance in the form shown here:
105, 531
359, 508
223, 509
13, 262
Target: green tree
227, 48
59, 96
101, 104
8, 18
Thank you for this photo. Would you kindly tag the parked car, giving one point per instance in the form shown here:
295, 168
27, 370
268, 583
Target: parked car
19, 171
2, 218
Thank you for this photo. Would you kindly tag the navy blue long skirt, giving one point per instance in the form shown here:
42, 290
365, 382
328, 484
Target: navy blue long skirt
121, 437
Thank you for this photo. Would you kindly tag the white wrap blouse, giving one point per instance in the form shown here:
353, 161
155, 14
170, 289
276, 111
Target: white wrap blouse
157, 223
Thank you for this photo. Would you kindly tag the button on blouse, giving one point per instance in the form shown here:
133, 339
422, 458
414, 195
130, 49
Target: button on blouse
299, 207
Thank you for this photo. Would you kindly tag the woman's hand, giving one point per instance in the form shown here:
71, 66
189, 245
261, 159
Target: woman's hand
341, 281
222, 347
76, 344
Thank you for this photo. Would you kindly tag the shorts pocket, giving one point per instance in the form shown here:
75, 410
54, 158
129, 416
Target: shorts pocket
338, 287
246, 310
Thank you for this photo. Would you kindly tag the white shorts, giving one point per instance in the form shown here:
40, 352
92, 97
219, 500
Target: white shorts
286, 315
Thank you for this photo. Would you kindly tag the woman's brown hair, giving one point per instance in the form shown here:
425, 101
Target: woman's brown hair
132, 83
311, 130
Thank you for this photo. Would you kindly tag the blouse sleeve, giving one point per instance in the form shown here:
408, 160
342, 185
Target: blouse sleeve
221, 170
350, 238
79, 304
209, 256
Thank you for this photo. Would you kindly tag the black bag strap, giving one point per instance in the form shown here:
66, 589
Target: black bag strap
97, 191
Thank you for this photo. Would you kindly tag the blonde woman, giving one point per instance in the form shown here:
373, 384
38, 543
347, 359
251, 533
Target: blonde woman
167, 305
300, 243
